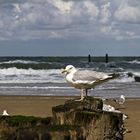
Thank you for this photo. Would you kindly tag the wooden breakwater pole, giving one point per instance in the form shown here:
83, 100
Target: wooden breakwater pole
89, 58
106, 58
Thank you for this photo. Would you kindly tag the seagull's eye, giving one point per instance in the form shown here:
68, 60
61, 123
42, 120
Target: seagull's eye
70, 68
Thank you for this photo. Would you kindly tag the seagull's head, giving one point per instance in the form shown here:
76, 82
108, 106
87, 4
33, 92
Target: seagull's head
68, 69
122, 97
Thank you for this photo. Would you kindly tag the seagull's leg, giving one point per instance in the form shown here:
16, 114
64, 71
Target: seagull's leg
82, 95
86, 90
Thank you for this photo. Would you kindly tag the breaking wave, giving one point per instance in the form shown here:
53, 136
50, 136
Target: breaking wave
19, 62
135, 62
15, 75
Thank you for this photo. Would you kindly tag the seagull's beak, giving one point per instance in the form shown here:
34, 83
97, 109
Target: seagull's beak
63, 71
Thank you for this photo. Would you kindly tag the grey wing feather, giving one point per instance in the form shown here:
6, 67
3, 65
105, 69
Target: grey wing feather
87, 75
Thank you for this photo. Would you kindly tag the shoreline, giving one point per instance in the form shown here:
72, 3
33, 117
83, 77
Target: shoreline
40, 106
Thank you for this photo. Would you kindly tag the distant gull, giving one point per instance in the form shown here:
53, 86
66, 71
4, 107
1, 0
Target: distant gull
85, 79
5, 113
120, 100
110, 108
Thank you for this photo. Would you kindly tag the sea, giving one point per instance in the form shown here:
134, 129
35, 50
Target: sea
41, 76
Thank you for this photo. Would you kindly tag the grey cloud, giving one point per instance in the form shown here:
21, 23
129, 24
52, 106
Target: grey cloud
46, 19
128, 13
10, 1
105, 13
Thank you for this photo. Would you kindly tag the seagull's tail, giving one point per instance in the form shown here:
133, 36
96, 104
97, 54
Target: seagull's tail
110, 76
113, 75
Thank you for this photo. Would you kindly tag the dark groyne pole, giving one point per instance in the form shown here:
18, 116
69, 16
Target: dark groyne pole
106, 58
89, 58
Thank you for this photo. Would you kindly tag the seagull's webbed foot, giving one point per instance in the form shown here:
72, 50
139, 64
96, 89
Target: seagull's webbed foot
81, 99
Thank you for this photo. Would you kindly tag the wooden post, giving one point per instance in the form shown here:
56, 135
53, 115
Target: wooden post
89, 58
106, 58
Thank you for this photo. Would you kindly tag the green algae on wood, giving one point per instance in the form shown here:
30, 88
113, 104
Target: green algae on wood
20, 120
62, 127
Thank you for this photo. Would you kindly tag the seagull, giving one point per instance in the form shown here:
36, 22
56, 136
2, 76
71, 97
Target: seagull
5, 113
85, 79
121, 99
108, 108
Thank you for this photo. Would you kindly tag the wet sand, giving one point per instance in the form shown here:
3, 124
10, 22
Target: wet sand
41, 106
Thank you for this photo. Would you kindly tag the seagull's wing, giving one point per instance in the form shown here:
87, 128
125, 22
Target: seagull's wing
87, 75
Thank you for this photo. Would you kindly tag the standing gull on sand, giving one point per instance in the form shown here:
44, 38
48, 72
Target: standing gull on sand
121, 99
85, 79
5, 113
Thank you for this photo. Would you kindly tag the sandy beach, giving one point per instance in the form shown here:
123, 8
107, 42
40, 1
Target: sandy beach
41, 106
132, 124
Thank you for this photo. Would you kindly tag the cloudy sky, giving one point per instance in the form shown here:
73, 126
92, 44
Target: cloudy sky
69, 27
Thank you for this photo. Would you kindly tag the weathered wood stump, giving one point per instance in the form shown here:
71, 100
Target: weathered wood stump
88, 115
72, 121
65, 114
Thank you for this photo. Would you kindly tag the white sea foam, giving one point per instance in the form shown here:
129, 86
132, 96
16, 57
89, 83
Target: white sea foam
19, 61
106, 88
34, 87
135, 62
14, 75
136, 73
123, 80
